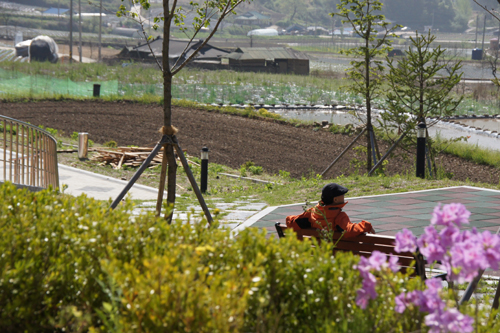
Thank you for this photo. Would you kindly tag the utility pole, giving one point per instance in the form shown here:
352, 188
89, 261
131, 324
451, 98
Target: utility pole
477, 29
100, 29
484, 32
80, 26
70, 31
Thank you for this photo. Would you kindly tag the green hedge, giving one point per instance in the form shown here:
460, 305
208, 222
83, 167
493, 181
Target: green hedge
69, 264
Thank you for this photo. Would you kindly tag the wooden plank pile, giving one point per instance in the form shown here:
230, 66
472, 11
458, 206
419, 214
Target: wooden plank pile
129, 156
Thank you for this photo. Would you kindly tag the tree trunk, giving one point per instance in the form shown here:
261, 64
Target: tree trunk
368, 99
293, 14
167, 111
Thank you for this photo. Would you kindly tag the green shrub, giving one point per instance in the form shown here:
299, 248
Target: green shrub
51, 131
264, 113
251, 167
247, 164
74, 136
69, 264
243, 171
256, 170
110, 144
8, 129
52, 246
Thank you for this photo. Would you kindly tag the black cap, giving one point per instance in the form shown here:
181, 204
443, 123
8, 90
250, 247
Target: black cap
331, 191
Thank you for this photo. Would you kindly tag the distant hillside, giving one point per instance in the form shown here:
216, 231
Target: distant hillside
445, 15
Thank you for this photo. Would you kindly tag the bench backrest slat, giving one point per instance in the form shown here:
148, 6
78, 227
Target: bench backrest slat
402, 261
360, 246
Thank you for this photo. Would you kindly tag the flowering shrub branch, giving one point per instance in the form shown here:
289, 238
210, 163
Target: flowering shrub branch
462, 254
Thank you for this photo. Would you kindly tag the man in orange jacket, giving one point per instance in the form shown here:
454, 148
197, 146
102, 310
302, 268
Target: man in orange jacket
328, 214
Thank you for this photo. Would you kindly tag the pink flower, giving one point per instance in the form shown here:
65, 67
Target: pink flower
393, 263
367, 291
405, 241
437, 216
430, 246
491, 244
404, 300
450, 320
468, 257
430, 301
449, 236
378, 260
362, 298
462, 254
454, 213
401, 303
363, 267
434, 284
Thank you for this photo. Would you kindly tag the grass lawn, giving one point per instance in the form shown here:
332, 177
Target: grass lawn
285, 190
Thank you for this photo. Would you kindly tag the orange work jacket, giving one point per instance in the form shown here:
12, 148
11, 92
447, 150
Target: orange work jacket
330, 217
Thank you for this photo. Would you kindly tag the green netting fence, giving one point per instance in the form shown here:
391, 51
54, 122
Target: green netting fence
21, 84
17, 83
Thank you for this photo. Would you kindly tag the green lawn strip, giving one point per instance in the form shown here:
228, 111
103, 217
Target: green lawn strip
474, 153
227, 189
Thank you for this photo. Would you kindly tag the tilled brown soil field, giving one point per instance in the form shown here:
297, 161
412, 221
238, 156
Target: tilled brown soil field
232, 140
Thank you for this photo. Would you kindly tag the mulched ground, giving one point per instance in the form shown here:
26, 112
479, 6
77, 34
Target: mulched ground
232, 140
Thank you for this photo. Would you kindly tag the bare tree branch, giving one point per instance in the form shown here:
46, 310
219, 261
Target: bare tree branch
492, 12
227, 10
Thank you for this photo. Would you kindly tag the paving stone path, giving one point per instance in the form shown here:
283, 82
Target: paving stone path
390, 213
231, 215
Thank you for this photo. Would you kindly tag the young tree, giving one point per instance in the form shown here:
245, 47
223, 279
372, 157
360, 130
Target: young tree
417, 90
492, 59
366, 73
209, 13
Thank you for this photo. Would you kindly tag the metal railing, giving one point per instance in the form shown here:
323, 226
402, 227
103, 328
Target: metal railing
28, 154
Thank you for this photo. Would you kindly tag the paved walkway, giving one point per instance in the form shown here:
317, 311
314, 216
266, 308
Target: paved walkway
390, 213
103, 187
99, 186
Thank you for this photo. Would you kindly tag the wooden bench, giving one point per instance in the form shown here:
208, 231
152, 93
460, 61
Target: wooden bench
363, 245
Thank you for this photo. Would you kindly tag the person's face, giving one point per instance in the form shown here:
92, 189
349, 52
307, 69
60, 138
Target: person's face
339, 199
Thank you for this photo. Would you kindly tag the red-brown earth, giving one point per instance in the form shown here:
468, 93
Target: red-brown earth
232, 140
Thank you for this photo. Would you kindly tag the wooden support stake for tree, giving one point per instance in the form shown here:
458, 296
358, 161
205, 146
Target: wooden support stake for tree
343, 152
372, 145
471, 287
497, 296
163, 177
166, 141
190, 176
138, 173
376, 145
386, 154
